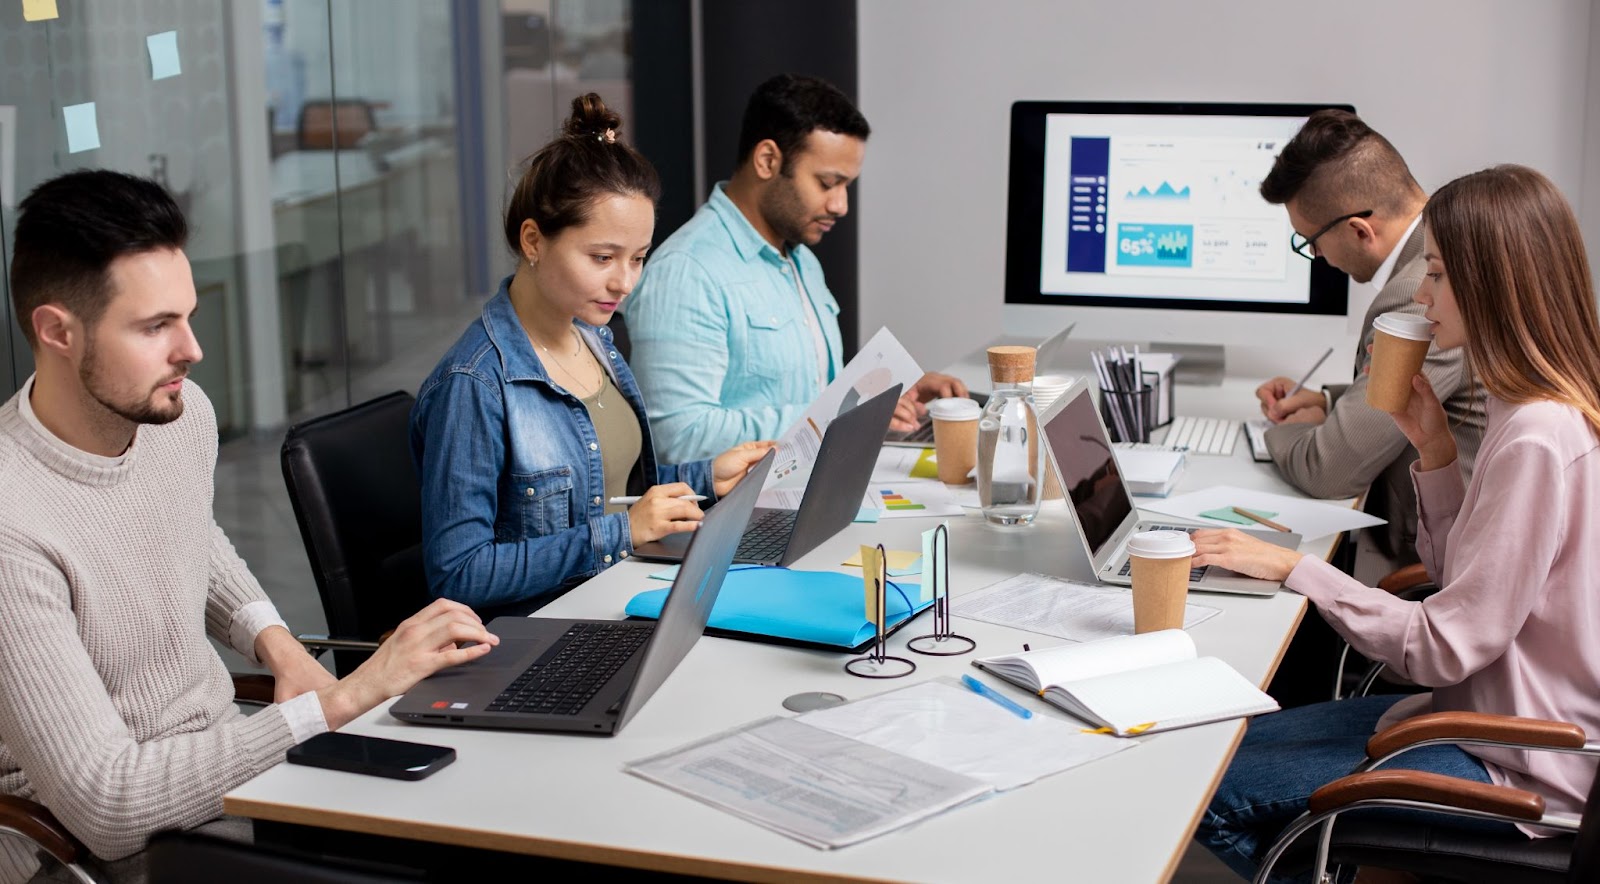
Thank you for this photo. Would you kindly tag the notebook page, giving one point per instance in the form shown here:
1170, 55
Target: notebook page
1075, 662
1170, 695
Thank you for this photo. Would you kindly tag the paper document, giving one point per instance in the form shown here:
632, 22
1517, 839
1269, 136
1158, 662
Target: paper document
915, 498
950, 727
808, 783
896, 463
880, 364
1079, 612
1308, 518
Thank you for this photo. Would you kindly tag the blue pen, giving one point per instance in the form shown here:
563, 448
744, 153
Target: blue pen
984, 690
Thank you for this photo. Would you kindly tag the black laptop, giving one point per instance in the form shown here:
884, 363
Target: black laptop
589, 676
832, 497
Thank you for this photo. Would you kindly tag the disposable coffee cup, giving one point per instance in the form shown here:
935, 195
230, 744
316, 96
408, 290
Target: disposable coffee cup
955, 437
1400, 343
1161, 561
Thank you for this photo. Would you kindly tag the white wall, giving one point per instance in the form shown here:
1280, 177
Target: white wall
1455, 84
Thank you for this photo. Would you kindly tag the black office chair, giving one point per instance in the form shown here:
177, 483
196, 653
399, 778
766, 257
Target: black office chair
1320, 838
357, 499
192, 858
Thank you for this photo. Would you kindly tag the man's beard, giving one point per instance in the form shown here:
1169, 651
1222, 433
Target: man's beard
143, 411
784, 212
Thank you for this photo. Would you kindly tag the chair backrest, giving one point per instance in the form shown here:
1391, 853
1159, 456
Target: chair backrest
324, 125
1586, 846
355, 494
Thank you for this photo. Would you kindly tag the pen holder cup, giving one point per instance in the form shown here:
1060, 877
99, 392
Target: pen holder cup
1128, 415
1165, 398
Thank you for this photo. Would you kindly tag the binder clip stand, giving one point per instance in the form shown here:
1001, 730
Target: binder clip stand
878, 663
943, 641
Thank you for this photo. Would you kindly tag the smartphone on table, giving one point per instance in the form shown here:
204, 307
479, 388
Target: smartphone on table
375, 756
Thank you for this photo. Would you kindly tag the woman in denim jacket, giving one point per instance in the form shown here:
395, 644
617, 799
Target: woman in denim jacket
532, 422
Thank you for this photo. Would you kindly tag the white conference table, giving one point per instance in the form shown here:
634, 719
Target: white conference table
1123, 818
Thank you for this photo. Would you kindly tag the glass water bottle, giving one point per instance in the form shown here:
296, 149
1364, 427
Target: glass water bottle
1010, 459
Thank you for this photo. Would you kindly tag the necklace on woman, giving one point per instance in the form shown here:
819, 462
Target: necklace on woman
599, 373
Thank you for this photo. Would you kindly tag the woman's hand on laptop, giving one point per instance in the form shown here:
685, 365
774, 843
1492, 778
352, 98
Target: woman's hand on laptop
909, 411
1238, 551
731, 465
423, 644
660, 512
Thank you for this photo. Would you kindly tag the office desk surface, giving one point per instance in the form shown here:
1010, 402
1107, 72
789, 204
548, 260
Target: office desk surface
1123, 818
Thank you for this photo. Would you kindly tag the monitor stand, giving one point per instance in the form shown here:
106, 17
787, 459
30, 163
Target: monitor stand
1202, 365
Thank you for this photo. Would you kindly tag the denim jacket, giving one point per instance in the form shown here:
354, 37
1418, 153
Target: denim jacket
513, 491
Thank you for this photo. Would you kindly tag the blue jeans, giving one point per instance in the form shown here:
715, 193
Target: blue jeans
1285, 756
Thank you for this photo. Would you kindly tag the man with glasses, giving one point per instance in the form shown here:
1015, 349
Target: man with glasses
1353, 203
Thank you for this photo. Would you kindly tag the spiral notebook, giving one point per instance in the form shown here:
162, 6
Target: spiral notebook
1134, 684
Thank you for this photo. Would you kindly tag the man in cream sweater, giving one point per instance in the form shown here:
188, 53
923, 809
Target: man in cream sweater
115, 712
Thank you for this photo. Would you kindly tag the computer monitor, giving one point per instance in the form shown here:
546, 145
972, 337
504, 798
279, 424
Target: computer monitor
1145, 220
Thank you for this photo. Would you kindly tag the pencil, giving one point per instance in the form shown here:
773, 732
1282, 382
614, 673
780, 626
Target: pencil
1257, 518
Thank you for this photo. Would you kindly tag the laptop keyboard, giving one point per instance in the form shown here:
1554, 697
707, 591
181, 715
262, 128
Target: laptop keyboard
1194, 573
766, 538
923, 433
568, 675
1203, 435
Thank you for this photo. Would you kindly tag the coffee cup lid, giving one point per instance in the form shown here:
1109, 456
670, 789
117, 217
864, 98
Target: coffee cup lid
1160, 545
1404, 325
955, 409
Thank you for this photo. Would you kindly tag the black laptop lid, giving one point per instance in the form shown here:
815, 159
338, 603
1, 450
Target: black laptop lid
694, 591
840, 475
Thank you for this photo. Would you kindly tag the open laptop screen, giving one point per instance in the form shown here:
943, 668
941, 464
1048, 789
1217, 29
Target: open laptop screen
1088, 470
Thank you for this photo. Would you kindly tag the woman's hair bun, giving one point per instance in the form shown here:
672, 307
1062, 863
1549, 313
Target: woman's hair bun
592, 119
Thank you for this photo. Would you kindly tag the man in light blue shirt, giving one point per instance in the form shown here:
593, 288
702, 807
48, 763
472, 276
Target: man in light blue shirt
733, 328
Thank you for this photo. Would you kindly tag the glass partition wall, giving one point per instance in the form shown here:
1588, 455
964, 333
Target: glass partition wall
342, 164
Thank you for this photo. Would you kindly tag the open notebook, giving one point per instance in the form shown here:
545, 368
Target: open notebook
1134, 684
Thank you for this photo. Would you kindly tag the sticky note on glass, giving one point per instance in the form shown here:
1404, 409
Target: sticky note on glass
39, 10
164, 61
83, 133
1226, 514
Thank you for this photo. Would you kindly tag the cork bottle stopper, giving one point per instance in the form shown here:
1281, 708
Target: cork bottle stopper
1011, 365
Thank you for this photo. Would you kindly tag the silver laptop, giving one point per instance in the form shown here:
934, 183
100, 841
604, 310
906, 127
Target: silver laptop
589, 676
1104, 511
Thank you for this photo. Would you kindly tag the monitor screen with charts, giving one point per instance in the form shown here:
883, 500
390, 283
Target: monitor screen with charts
1156, 206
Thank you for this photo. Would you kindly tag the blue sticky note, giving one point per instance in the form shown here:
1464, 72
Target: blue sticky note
164, 55
666, 573
83, 133
868, 514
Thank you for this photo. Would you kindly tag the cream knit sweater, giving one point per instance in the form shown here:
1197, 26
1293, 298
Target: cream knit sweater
115, 712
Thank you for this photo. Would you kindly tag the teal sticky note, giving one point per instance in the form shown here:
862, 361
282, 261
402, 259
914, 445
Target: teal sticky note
83, 133
164, 61
1226, 514
868, 514
928, 577
666, 573
914, 568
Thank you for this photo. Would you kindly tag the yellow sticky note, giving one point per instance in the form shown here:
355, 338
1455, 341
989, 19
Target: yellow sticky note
926, 467
871, 573
899, 559
39, 10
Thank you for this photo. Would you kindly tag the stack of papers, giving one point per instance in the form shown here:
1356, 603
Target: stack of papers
1310, 519
842, 775
1150, 471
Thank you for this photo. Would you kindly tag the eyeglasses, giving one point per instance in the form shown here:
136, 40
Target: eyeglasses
1302, 247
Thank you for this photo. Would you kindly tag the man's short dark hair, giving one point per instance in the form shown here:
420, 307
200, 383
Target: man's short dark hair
789, 107
70, 229
1336, 164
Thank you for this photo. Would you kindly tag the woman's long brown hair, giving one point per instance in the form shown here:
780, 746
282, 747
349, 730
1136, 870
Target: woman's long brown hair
1514, 255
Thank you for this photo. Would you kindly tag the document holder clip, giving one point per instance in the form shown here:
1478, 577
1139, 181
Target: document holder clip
943, 641
877, 663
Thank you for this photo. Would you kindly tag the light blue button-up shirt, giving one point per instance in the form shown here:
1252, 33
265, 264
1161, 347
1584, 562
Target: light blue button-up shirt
721, 348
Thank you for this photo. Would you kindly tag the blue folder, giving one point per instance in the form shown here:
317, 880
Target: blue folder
811, 608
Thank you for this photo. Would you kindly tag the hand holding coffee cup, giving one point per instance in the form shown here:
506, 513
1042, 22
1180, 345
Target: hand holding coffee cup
955, 437
1400, 343
1160, 561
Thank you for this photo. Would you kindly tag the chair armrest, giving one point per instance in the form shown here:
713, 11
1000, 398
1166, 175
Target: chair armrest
1532, 732
1405, 578
36, 822
1416, 785
254, 689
